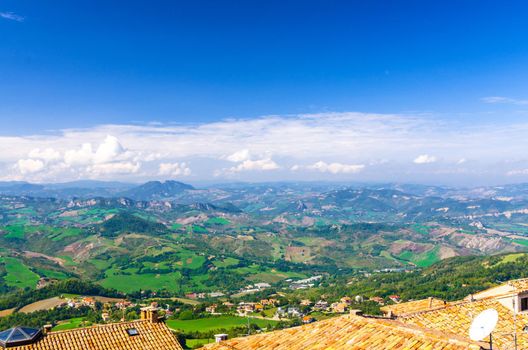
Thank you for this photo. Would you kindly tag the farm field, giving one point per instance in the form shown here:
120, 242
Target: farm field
18, 274
50, 303
422, 259
132, 281
195, 343
69, 324
7, 312
45, 304
212, 323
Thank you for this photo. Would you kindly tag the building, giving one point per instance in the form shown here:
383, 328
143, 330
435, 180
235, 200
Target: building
346, 300
378, 300
321, 305
308, 319
339, 307
510, 299
350, 332
269, 302
395, 298
420, 324
211, 309
507, 299
149, 333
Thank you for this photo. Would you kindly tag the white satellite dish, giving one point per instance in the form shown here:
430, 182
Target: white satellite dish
483, 324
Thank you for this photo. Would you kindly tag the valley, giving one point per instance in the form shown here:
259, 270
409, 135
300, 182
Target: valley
175, 240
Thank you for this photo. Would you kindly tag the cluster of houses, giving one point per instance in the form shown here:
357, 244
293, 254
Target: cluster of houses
80, 301
204, 295
304, 283
304, 310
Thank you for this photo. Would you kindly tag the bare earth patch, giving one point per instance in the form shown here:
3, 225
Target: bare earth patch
40, 255
6, 312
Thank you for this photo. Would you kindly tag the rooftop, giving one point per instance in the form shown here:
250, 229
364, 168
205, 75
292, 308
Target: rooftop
508, 288
413, 306
135, 335
18, 336
457, 318
350, 332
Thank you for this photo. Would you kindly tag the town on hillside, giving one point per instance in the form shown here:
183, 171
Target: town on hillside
429, 323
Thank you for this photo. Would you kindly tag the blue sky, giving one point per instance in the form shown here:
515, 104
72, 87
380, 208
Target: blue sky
457, 67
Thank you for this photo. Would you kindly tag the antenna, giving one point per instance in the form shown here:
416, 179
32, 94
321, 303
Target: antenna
483, 325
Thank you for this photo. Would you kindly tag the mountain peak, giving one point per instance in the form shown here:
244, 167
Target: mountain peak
157, 190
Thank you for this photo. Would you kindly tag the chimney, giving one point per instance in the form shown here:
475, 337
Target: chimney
150, 313
356, 312
430, 302
47, 328
220, 337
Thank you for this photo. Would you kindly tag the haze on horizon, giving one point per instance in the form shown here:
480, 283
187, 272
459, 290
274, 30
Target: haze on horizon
415, 92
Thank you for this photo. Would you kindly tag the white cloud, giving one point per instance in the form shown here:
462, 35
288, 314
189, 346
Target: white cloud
27, 166
109, 150
11, 16
48, 154
461, 161
336, 168
261, 164
81, 156
247, 162
424, 159
174, 169
517, 172
383, 142
114, 168
504, 100
239, 156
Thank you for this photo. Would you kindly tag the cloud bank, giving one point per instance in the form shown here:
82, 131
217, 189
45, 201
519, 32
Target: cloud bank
341, 146
11, 16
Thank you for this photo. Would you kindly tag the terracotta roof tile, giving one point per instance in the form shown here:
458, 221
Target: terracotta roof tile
114, 336
413, 306
349, 332
457, 318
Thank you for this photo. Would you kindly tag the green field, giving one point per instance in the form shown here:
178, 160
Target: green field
523, 242
212, 323
422, 229
18, 274
133, 282
61, 233
217, 221
14, 231
196, 343
52, 274
54, 233
176, 226
69, 324
226, 262
511, 258
424, 259
196, 229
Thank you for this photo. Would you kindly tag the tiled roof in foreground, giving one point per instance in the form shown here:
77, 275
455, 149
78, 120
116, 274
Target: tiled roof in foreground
457, 318
520, 284
349, 332
413, 306
114, 336
508, 288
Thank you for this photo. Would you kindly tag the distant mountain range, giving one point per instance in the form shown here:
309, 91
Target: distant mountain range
174, 236
158, 190
87, 189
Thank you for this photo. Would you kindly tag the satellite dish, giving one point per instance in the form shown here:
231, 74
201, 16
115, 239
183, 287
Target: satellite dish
483, 324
